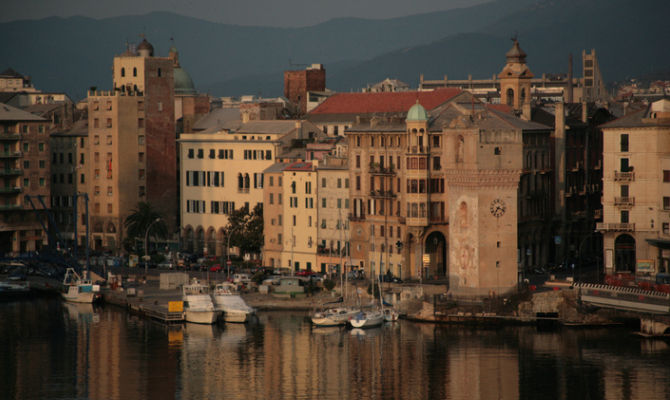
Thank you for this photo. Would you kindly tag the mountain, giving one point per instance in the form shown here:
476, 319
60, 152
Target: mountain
72, 54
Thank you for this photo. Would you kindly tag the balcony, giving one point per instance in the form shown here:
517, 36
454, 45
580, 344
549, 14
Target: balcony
382, 194
576, 167
242, 190
417, 221
10, 172
376, 169
624, 201
10, 154
615, 227
356, 218
9, 136
10, 190
624, 176
419, 150
9, 207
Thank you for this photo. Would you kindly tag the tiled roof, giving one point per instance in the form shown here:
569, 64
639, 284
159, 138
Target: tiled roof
9, 113
385, 102
300, 166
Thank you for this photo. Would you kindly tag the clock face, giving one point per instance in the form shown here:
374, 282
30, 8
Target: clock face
498, 208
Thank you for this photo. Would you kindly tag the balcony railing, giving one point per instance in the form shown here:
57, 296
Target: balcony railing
10, 190
9, 136
353, 217
624, 201
615, 227
624, 176
242, 190
384, 194
376, 169
10, 154
10, 171
8, 207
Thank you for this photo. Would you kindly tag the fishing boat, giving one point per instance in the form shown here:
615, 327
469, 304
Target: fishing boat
198, 306
230, 304
79, 289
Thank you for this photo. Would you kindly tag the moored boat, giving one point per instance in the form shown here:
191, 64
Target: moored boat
13, 291
367, 319
333, 316
198, 306
78, 289
228, 302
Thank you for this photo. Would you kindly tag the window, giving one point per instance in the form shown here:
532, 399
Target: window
82, 179
26, 147
26, 164
339, 183
436, 164
42, 163
201, 153
666, 203
294, 220
140, 174
109, 191
81, 158
123, 72
40, 146
272, 180
624, 142
109, 139
666, 228
324, 203
160, 72
624, 165
109, 208
221, 154
666, 175
140, 157
134, 71
323, 182
358, 183
96, 123
272, 198
140, 122
109, 122
625, 215
190, 153
212, 153
624, 190
358, 161
140, 140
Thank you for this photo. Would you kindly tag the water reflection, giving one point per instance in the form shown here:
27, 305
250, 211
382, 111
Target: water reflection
49, 349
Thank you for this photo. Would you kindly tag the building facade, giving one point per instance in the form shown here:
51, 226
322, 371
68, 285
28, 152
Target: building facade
636, 192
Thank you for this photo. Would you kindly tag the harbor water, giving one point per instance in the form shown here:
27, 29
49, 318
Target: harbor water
55, 350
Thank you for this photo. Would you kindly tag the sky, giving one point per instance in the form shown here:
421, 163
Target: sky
281, 13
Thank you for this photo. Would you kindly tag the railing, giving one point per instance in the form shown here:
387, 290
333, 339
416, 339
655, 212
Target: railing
353, 217
10, 154
9, 136
624, 176
376, 169
242, 190
624, 201
385, 194
616, 227
11, 171
10, 189
5, 207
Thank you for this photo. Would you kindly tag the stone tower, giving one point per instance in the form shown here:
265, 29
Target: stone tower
515, 79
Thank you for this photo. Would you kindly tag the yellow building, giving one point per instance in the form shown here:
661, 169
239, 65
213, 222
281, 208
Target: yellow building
333, 210
131, 148
223, 171
636, 191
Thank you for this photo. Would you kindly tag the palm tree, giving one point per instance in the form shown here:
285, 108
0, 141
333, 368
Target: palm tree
140, 219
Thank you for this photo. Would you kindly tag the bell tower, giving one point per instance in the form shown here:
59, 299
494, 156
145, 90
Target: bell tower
515, 79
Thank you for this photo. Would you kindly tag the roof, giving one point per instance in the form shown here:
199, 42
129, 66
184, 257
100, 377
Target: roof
268, 127
382, 102
79, 128
300, 166
219, 119
183, 84
276, 167
417, 113
10, 73
9, 113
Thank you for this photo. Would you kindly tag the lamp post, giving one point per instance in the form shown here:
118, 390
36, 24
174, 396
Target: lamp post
228, 254
146, 246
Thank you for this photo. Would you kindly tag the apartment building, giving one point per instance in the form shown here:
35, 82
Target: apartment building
24, 154
333, 208
636, 191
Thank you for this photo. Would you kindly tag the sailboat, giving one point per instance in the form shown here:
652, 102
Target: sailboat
372, 317
79, 289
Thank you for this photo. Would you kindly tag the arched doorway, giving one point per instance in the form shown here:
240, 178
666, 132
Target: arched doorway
624, 253
199, 240
188, 239
211, 241
436, 247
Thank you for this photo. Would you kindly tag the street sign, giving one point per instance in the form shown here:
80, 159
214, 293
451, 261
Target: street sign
229, 263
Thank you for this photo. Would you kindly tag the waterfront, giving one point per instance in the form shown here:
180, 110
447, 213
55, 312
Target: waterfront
54, 350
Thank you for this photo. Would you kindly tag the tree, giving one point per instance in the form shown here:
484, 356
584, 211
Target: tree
139, 220
246, 229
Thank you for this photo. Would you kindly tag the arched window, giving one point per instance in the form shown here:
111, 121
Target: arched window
240, 181
523, 95
160, 73
510, 96
123, 72
134, 71
246, 181
460, 149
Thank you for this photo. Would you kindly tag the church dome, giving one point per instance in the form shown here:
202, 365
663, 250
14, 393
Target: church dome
183, 84
515, 54
145, 48
417, 113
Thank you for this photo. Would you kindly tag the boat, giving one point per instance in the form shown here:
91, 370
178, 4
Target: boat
367, 319
78, 289
13, 291
229, 303
198, 306
390, 315
333, 316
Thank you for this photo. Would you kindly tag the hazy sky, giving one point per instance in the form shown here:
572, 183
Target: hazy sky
242, 12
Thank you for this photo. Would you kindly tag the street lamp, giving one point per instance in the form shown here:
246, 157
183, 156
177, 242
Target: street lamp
228, 254
146, 246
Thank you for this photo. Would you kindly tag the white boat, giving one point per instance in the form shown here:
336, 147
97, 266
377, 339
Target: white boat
13, 291
198, 306
230, 304
333, 316
390, 315
367, 319
79, 289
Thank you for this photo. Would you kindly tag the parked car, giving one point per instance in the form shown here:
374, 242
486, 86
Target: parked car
215, 268
241, 279
304, 272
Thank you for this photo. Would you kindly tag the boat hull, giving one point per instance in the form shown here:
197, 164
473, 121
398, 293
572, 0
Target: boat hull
367, 320
200, 317
88, 297
236, 316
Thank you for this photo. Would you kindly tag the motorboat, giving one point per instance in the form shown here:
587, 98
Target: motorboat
198, 306
79, 289
228, 302
333, 316
13, 291
391, 315
367, 319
